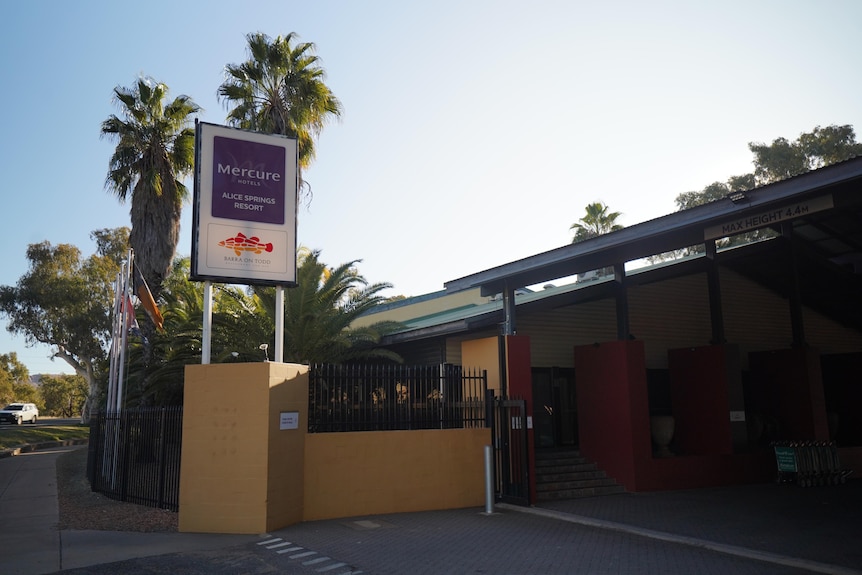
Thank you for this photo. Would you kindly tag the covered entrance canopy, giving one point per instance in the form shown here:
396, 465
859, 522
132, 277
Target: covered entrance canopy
816, 261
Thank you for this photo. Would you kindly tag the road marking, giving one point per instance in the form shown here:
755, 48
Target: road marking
268, 541
282, 544
288, 550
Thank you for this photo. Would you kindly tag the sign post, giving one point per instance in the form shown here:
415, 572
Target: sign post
244, 226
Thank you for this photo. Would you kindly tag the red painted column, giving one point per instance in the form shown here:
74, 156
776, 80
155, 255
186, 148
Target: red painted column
613, 408
700, 398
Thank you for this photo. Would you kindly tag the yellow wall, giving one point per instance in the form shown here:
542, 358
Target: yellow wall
484, 353
238, 470
241, 473
374, 472
424, 307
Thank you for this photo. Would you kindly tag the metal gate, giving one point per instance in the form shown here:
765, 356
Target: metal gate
511, 458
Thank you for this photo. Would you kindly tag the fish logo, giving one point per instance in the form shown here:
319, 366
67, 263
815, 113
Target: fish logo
240, 243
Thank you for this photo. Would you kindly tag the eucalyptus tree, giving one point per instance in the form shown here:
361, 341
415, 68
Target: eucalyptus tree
154, 153
65, 301
280, 89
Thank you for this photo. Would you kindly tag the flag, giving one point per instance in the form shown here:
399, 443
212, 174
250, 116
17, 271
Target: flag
131, 320
142, 290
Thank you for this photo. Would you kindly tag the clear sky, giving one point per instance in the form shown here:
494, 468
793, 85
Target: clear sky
474, 133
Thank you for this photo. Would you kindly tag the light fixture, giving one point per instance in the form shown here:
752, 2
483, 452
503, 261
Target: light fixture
264, 347
737, 197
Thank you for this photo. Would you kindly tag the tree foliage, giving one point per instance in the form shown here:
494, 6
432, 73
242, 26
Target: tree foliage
65, 301
13, 374
780, 160
280, 89
318, 314
773, 162
63, 395
597, 221
155, 151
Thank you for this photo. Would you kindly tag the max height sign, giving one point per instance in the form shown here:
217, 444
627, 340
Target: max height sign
244, 207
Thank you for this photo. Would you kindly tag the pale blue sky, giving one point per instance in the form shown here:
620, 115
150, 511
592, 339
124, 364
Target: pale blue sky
474, 132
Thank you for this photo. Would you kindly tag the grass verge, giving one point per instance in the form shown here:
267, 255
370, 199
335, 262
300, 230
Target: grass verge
18, 435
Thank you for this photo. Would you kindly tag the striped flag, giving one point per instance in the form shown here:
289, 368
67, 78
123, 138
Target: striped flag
142, 290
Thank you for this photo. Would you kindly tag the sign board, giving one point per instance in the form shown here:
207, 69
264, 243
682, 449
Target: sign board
288, 420
785, 457
244, 228
768, 218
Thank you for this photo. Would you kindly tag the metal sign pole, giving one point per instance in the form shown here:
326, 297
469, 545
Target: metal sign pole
206, 336
279, 324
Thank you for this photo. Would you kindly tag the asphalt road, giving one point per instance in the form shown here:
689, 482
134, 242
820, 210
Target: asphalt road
44, 422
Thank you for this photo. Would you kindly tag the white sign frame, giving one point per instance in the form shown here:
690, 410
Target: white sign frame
245, 200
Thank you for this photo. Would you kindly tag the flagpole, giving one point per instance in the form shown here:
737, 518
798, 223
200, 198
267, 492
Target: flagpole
279, 324
206, 336
125, 329
115, 333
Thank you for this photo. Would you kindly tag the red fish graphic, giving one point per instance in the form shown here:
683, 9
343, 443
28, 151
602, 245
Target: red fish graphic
240, 243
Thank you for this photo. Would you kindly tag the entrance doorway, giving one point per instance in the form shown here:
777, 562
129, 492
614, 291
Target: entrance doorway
555, 410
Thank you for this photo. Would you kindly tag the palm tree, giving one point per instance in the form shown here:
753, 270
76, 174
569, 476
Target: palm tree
155, 151
596, 222
319, 311
280, 89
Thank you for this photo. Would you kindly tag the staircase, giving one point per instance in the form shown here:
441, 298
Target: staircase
567, 475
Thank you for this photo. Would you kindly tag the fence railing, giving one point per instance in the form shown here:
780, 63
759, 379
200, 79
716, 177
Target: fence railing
392, 397
134, 455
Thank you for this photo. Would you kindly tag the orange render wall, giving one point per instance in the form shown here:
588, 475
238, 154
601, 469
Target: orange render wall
374, 472
239, 472
483, 353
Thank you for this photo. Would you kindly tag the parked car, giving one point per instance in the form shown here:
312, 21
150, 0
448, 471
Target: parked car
18, 413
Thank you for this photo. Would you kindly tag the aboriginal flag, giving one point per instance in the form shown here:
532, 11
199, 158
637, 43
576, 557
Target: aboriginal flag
142, 290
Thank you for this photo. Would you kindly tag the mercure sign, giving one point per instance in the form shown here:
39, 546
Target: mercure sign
244, 228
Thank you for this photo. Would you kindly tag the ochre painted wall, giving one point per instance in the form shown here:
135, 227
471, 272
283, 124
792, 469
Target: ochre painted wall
373, 472
241, 473
238, 470
483, 353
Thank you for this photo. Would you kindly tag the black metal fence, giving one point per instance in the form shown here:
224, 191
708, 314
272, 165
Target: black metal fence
134, 455
393, 397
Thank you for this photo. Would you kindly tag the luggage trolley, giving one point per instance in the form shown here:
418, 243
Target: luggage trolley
809, 463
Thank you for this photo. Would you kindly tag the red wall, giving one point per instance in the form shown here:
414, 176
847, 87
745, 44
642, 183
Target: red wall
789, 385
519, 379
698, 382
613, 410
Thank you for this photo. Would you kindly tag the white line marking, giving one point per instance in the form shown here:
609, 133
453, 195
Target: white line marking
268, 541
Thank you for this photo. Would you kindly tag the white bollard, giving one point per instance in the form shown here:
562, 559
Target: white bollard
489, 479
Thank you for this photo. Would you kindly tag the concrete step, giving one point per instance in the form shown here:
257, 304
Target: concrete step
581, 492
564, 474
577, 475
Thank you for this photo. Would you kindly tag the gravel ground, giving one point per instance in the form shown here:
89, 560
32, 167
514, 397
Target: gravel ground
81, 508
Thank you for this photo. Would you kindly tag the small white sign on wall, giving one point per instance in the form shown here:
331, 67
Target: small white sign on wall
288, 420
737, 416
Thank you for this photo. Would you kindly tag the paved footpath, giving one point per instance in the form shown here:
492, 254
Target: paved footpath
767, 529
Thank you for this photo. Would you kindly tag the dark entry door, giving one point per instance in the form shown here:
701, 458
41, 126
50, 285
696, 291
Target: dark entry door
511, 458
555, 410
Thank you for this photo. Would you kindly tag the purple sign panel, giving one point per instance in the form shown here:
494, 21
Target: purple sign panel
248, 181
